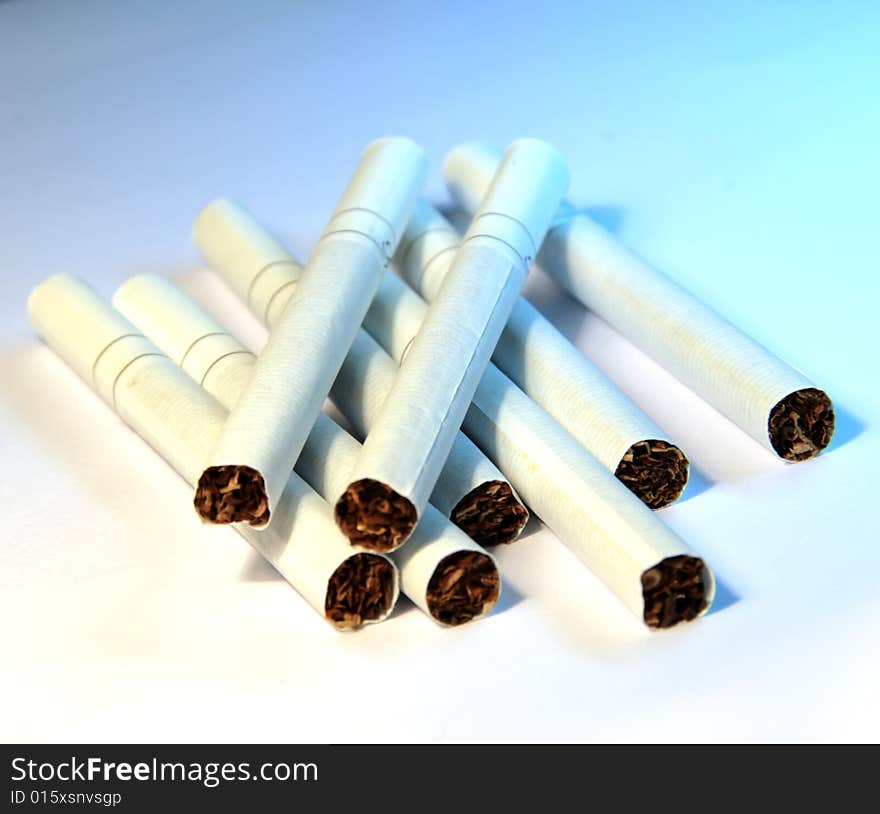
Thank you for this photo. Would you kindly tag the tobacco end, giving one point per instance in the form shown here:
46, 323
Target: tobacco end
490, 514
232, 494
801, 425
464, 585
656, 472
360, 590
674, 591
372, 515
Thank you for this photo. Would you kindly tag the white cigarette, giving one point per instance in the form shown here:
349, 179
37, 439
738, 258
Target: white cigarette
443, 571
181, 421
590, 511
551, 371
774, 403
408, 442
471, 490
246, 471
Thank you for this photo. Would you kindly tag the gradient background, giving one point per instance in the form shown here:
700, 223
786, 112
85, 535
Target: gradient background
734, 145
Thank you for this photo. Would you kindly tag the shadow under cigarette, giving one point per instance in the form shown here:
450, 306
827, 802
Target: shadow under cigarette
455, 215
40, 384
510, 597
258, 569
404, 605
846, 427
610, 218
533, 525
696, 485
724, 597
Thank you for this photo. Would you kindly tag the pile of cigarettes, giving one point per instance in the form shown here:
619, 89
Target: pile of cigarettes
469, 404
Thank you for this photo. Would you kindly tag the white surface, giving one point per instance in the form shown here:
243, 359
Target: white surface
734, 148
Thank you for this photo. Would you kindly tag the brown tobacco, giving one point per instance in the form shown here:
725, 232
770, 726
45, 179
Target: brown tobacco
801, 425
463, 586
372, 515
360, 590
674, 591
490, 514
232, 494
656, 472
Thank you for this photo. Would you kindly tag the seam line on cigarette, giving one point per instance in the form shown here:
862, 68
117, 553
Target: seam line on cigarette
427, 264
125, 367
383, 250
406, 348
516, 221
375, 214
220, 359
275, 293
107, 347
458, 387
257, 276
526, 261
408, 246
196, 342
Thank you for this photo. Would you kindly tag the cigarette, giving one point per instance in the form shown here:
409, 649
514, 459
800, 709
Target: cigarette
578, 499
181, 422
260, 442
771, 401
542, 362
445, 573
471, 491
410, 439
